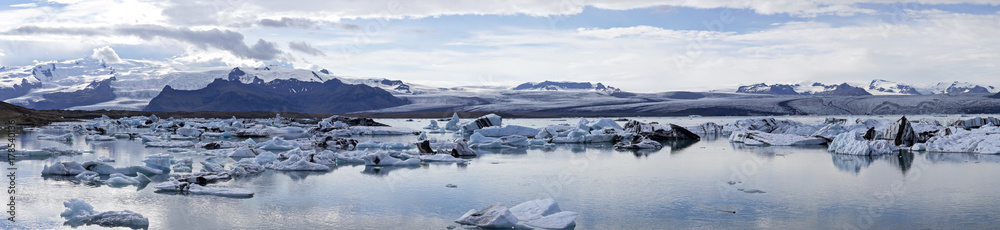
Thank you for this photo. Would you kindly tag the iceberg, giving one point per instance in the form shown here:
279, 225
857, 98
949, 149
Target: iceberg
854, 143
658, 132
98, 138
158, 161
558, 220
708, 128
265, 157
462, 149
761, 138
65, 137
984, 140
508, 131
453, 123
534, 209
495, 216
488, 120
70, 168
279, 144
243, 152
638, 142
383, 158
384, 145
246, 167
183, 165
195, 189
57, 151
433, 125
120, 180
80, 213
169, 144
299, 163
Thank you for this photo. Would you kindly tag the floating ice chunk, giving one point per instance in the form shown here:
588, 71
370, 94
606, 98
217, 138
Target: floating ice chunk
853, 143
477, 138
265, 157
762, 138
507, 131
558, 220
298, 163
534, 209
207, 166
246, 167
279, 144
638, 142
985, 140
514, 140
169, 144
183, 165
98, 138
243, 152
57, 151
495, 216
433, 125
158, 161
120, 180
491, 145
422, 137
80, 213
106, 169
191, 188
381, 130
482, 122
383, 158
462, 148
383, 145
65, 137
88, 176
440, 158
976, 122
659, 132
71, 168
708, 128
535, 142
189, 132
453, 123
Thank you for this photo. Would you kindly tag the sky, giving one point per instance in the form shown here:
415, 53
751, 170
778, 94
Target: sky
635, 45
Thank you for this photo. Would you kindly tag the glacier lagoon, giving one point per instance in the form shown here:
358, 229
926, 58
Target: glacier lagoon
712, 183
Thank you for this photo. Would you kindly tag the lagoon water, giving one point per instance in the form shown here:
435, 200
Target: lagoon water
683, 185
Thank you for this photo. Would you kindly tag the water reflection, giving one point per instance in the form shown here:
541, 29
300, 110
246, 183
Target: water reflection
381, 171
853, 163
301, 175
962, 158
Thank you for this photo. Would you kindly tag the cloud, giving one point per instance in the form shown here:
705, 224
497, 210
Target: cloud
107, 54
227, 40
303, 23
24, 5
305, 48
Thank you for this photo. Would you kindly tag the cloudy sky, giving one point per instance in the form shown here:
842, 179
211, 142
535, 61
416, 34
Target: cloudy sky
637, 45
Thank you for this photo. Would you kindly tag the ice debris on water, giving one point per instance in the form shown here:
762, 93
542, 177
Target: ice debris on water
540, 213
79, 213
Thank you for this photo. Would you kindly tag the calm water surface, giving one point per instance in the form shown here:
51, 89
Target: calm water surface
683, 185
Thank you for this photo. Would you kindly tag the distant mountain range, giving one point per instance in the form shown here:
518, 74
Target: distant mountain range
239, 93
134, 85
876, 87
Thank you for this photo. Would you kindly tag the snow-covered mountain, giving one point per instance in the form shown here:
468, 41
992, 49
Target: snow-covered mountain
876, 87
565, 86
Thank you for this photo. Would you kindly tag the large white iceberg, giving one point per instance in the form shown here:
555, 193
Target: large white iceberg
79, 213
762, 138
854, 143
488, 120
278, 144
985, 140
495, 216
190, 188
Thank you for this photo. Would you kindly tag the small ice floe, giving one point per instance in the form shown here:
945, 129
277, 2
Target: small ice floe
384, 158
278, 144
751, 190
758, 138
242, 152
169, 144
173, 185
638, 142
183, 165
99, 138
80, 213
433, 125
507, 131
854, 143
74, 168
495, 216
541, 213
159, 161
65, 137
120, 180
302, 163
383, 145
246, 167
57, 151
